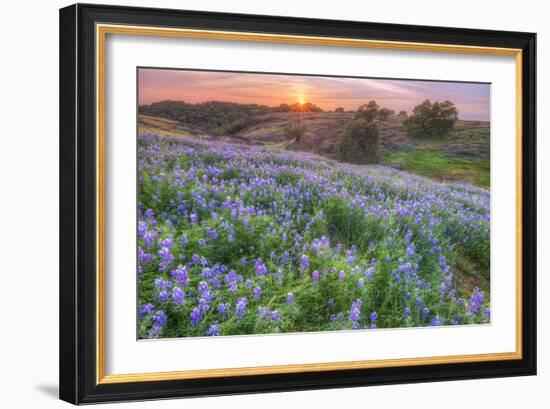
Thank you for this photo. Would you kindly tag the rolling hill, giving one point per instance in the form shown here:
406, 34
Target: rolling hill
463, 156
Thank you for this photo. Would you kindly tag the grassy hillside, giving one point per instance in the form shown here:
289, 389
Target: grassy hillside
238, 239
461, 157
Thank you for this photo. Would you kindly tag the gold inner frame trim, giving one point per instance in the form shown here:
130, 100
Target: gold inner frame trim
102, 30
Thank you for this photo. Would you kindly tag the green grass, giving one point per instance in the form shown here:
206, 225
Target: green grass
143, 128
439, 166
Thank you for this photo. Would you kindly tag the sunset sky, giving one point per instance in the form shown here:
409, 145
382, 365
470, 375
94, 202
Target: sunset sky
471, 99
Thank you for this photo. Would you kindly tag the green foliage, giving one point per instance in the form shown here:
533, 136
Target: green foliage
294, 132
350, 225
311, 205
215, 116
284, 108
402, 114
368, 112
440, 166
429, 120
359, 143
339, 110
372, 111
384, 114
233, 127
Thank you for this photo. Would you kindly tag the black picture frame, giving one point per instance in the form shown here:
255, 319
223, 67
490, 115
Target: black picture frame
78, 360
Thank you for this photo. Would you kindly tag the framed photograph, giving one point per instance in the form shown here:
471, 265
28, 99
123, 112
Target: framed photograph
257, 203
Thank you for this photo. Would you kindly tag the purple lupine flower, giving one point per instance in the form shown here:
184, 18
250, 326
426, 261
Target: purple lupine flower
369, 273
213, 330
146, 309
487, 313
162, 284
240, 307
355, 313
425, 312
257, 292
475, 301
337, 317
261, 269
232, 280
285, 258
141, 229
341, 275
436, 322
163, 296
166, 258
223, 309
275, 315
159, 319
181, 276
202, 288
149, 239
212, 234
193, 218
304, 262
178, 296
411, 249
315, 277
373, 317
290, 298
195, 316
167, 242
263, 313
143, 259
407, 312
360, 283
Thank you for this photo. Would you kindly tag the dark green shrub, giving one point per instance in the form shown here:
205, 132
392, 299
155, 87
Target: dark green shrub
429, 120
359, 143
384, 114
295, 132
368, 112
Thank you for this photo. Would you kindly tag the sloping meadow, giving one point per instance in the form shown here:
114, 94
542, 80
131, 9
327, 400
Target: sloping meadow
239, 239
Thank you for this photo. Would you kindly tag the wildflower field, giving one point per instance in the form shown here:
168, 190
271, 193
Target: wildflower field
244, 239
